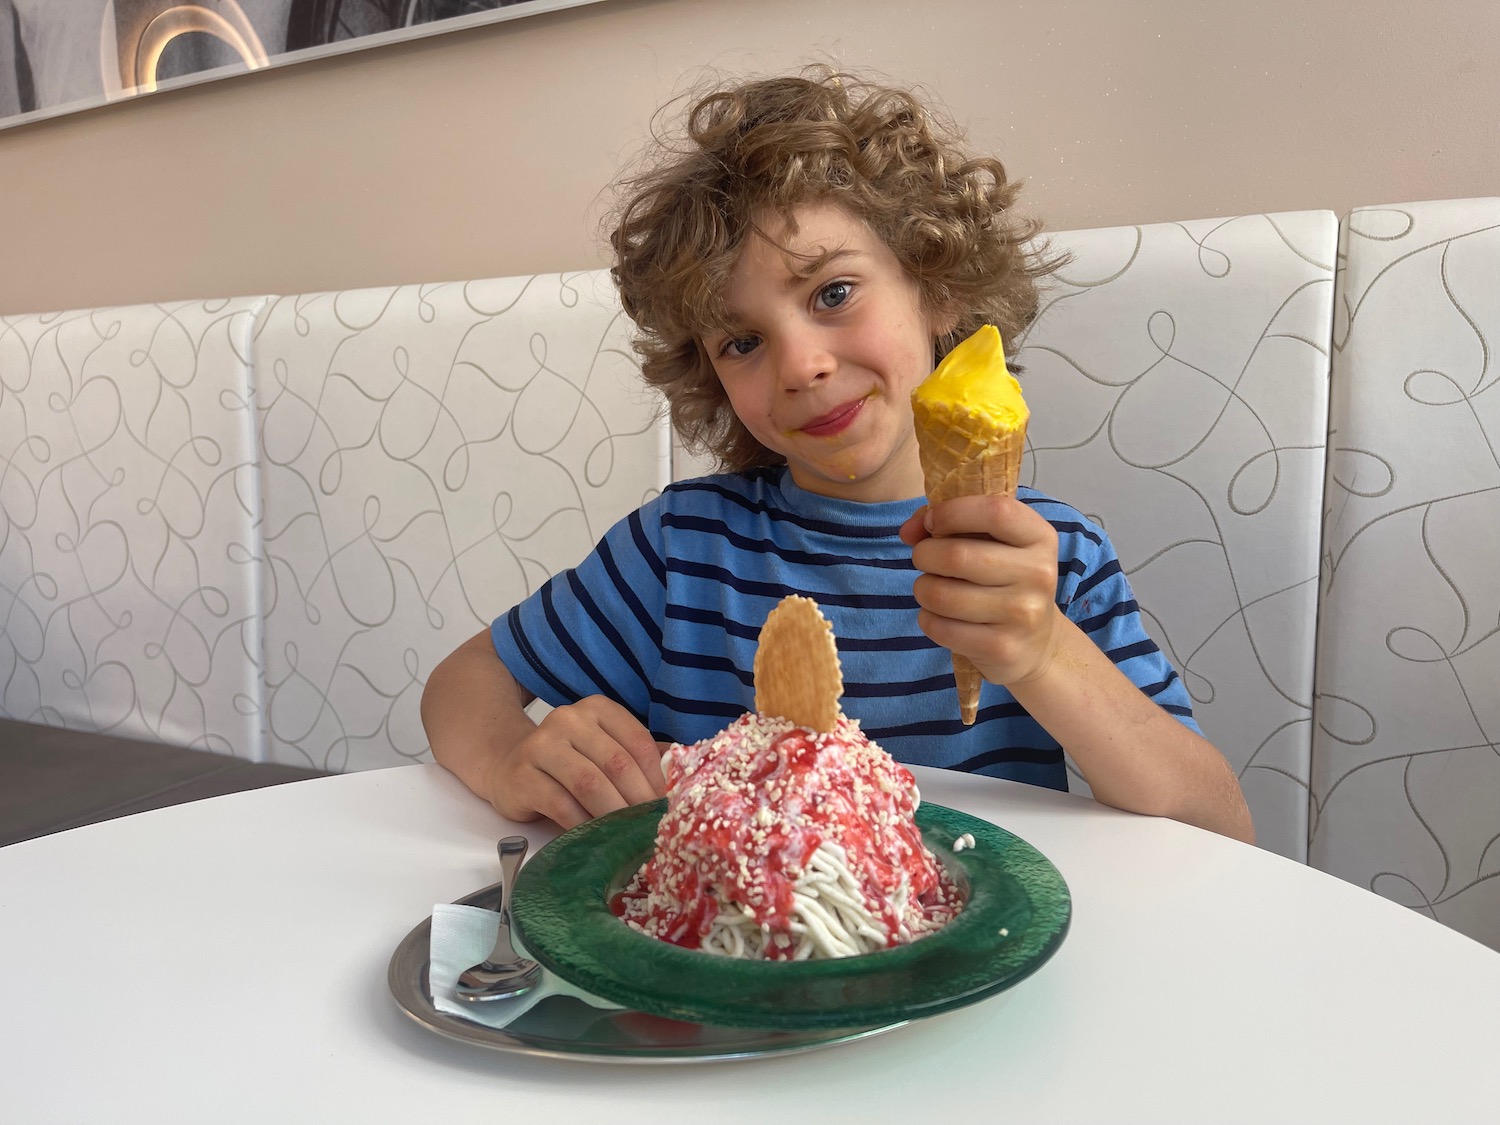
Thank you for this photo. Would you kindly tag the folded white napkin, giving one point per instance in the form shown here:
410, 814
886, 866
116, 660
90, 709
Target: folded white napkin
463, 936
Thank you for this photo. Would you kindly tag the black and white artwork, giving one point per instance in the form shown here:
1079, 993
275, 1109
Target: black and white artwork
59, 56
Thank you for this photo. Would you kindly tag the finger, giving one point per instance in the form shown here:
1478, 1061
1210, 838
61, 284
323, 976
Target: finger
1002, 518
572, 746
553, 773
600, 764
535, 794
978, 641
1005, 655
613, 739
588, 785
634, 761
939, 629
980, 560
1022, 596
958, 599
914, 530
626, 776
558, 805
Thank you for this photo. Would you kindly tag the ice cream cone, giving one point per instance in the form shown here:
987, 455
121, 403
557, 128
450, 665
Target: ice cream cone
970, 445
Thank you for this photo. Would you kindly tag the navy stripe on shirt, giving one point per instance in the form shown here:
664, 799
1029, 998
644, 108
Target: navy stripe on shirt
625, 595
675, 594
788, 554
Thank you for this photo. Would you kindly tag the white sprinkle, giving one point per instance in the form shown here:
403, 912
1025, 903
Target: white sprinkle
964, 841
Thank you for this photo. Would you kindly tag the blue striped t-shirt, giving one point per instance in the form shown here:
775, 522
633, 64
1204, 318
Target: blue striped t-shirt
663, 617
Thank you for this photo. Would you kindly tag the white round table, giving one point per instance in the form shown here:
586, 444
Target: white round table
226, 961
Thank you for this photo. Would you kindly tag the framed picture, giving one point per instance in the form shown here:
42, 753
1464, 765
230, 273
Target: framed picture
60, 56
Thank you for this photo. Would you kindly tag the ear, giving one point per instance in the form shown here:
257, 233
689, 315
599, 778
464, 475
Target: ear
942, 322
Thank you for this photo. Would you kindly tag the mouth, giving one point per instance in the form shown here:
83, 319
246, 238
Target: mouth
837, 420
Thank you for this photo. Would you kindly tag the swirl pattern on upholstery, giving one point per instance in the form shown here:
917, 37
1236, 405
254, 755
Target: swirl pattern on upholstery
128, 598
430, 455
1178, 378
1406, 780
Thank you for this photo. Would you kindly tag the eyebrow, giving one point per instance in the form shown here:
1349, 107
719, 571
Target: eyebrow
816, 264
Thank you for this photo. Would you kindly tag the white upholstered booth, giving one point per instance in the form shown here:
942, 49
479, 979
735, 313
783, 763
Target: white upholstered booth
128, 599
1178, 383
429, 456
256, 525
1406, 761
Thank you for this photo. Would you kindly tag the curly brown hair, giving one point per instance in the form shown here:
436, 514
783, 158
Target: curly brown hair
766, 146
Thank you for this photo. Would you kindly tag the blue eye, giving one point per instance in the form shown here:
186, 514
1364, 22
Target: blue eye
834, 294
740, 345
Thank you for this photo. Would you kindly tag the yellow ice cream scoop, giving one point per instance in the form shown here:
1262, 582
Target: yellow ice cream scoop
973, 377
970, 421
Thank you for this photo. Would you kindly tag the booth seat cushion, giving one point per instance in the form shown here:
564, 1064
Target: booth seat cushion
1406, 780
56, 779
128, 574
1178, 379
430, 455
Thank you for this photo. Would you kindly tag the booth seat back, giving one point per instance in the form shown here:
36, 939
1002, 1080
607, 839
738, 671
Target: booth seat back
430, 455
128, 519
255, 526
1178, 384
1406, 752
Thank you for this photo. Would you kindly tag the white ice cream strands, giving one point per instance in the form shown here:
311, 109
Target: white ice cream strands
790, 835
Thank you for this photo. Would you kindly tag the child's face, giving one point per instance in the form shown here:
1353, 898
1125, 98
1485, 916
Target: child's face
820, 368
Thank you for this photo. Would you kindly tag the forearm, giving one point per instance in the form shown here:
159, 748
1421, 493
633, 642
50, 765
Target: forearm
1134, 755
474, 713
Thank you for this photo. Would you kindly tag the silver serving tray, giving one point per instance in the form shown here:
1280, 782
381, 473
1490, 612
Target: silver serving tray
566, 1027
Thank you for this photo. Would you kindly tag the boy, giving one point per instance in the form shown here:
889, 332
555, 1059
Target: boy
795, 270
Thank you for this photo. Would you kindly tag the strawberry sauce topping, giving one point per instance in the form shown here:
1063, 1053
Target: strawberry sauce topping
749, 807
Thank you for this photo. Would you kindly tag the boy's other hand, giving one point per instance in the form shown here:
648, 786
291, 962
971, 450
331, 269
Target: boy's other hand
988, 585
583, 760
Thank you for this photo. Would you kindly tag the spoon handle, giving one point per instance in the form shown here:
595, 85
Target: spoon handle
512, 851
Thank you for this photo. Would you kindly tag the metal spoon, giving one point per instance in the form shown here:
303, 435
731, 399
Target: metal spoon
504, 972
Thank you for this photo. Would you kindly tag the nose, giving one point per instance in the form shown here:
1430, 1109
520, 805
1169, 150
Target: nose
803, 357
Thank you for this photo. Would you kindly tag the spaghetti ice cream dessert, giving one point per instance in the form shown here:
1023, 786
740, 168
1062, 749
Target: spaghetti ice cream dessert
789, 835
971, 431
782, 843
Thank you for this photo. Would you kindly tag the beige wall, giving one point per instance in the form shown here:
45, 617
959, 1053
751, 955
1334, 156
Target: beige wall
482, 153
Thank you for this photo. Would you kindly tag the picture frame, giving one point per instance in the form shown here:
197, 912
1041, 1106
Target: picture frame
63, 57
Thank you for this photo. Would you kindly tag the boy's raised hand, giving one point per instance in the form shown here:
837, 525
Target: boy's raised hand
582, 760
988, 585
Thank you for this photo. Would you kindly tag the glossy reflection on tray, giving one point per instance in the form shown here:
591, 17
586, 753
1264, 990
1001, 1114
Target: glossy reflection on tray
1016, 915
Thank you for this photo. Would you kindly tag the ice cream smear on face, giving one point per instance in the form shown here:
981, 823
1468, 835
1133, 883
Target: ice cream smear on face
788, 840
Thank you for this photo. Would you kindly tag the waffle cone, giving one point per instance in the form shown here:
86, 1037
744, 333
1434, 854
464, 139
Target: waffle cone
963, 453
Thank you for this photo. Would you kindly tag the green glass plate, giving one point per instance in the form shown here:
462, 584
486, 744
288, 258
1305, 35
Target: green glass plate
1016, 916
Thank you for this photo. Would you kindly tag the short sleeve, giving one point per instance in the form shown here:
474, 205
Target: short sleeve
1095, 593
594, 629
